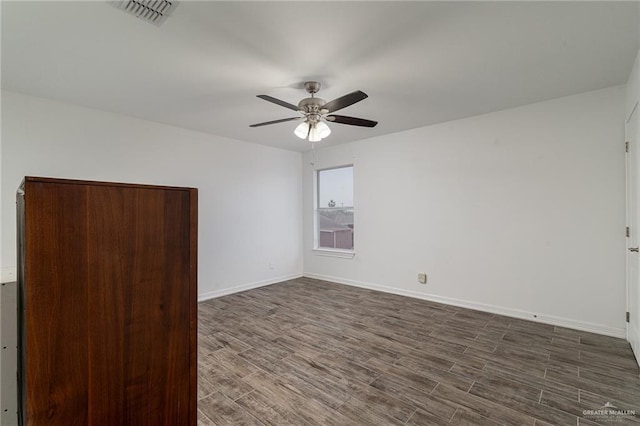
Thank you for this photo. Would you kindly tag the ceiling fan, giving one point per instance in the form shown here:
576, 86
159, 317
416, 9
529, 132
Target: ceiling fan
316, 112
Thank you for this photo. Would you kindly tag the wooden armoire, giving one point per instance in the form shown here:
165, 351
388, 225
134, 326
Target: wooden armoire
107, 294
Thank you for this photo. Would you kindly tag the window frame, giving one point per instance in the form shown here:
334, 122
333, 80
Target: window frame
329, 251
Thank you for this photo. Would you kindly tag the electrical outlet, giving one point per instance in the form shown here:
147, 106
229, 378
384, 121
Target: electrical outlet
422, 278
271, 267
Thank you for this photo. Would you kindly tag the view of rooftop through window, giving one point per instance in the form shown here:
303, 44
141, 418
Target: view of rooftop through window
335, 208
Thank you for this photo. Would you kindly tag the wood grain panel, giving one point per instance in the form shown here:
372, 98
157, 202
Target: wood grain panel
193, 305
109, 232
56, 305
111, 276
139, 250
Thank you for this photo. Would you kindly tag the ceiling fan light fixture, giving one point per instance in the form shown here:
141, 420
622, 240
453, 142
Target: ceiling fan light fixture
314, 134
302, 130
322, 129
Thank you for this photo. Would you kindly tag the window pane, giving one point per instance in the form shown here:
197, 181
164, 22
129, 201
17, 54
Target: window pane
335, 188
335, 228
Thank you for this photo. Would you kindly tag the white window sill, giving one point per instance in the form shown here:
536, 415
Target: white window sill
344, 254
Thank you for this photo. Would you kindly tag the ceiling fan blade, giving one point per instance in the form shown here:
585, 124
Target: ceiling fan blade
278, 102
353, 121
275, 121
345, 101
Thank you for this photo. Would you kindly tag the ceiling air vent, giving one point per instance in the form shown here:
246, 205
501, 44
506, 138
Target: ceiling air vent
153, 11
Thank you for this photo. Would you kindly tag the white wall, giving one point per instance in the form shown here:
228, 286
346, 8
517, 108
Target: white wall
520, 212
249, 195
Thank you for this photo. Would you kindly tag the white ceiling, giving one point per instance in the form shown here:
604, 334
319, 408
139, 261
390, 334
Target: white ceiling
419, 62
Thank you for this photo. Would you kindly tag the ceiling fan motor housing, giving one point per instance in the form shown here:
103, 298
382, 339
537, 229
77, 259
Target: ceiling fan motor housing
311, 105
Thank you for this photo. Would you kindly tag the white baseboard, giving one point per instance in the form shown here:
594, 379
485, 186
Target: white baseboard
244, 287
8, 275
510, 312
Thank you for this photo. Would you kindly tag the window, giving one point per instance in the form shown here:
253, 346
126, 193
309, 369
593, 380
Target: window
334, 209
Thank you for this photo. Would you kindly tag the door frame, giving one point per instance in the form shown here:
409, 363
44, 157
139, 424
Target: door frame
632, 189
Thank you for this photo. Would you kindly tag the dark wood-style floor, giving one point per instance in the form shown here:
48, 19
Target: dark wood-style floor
312, 352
